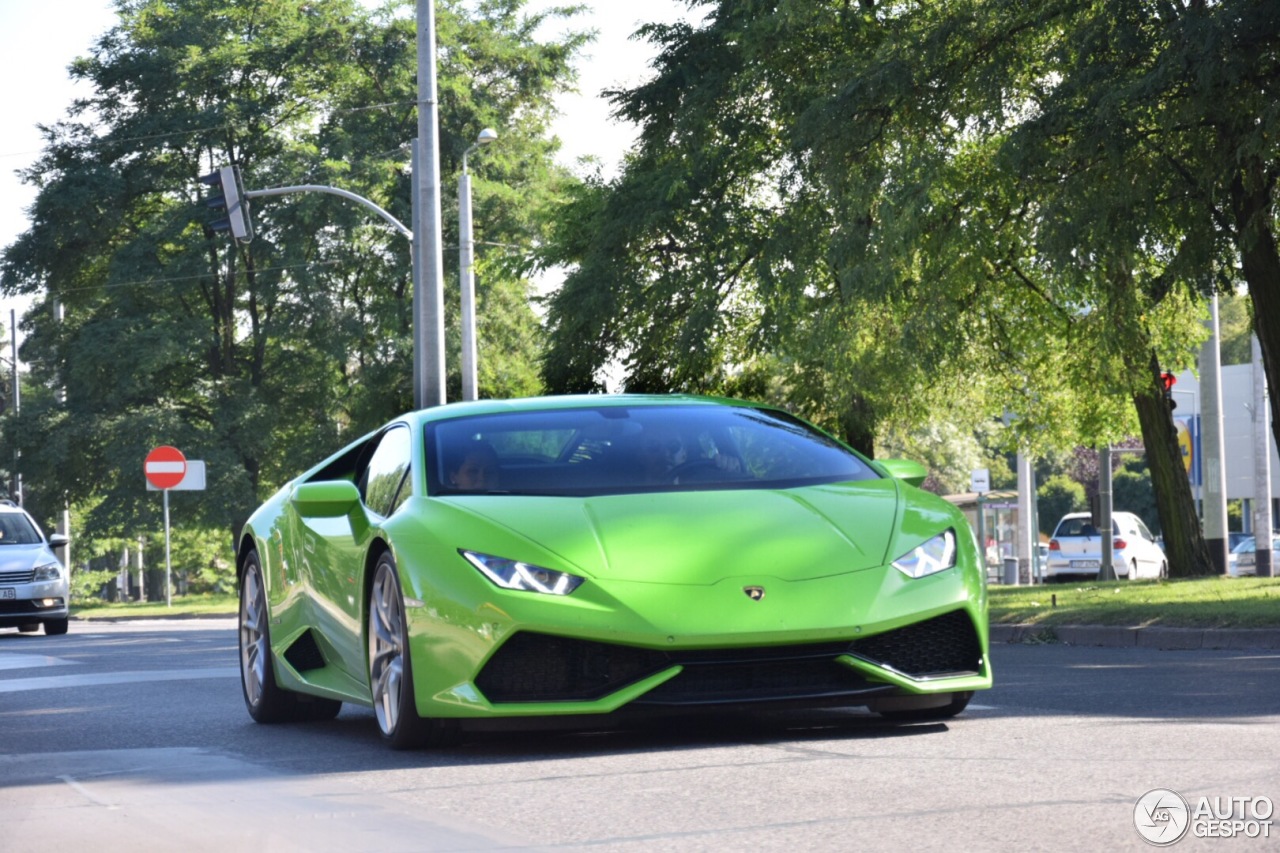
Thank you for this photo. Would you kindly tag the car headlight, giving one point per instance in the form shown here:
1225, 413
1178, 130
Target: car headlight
48, 572
513, 574
936, 555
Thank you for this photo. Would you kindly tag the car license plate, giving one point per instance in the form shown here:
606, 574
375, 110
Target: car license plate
8, 593
1084, 564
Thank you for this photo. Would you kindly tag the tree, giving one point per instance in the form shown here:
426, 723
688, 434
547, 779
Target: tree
1056, 497
261, 358
886, 213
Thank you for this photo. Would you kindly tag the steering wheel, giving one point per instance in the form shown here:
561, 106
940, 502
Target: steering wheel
685, 469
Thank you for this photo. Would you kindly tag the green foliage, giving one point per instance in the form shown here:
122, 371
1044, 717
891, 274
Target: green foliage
1235, 515
1057, 496
1235, 330
1131, 492
952, 212
87, 584
260, 359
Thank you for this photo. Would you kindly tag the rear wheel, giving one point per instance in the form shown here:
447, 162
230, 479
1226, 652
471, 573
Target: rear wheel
1164, 570
390, 671
266, 701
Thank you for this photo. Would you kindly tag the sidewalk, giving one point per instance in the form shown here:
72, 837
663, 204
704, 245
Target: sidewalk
1147, 638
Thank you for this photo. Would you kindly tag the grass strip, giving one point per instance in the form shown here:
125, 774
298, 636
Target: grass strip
1217, 602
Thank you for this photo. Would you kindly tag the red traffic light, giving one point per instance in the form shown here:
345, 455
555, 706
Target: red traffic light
1168, 380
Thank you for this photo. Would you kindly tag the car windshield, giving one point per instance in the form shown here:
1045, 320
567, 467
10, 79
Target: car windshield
1081, 526
617, 450
15, 529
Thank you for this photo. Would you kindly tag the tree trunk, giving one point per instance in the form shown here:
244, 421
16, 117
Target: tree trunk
858, 428
1184, 544
1260, 262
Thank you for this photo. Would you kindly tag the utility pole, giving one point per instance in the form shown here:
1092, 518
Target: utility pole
1106, 547
1213, 469
429, 307
1026, 523
1261, 466
17, 405
466, 271
64, 518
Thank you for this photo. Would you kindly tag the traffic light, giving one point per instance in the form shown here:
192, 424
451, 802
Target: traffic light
1168, 380
228, 196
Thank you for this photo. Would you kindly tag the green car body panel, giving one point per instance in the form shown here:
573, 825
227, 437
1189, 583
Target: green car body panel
663, 571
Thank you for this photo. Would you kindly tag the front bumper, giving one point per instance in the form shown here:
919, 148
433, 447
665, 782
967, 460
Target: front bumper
848, 639
33, 604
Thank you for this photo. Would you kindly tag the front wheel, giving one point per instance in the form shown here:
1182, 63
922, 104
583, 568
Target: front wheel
54, 627
390, 671
266, 701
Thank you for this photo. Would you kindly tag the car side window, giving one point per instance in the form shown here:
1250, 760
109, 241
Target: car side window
384, 483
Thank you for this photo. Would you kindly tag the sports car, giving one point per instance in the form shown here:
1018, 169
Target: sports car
605, 554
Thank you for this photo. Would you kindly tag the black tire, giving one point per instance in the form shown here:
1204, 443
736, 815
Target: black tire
390, 669
29, 628
55, 627
266, 701
1164, 570
959, 701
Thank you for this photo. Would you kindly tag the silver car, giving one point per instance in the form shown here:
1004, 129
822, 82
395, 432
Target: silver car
34, 587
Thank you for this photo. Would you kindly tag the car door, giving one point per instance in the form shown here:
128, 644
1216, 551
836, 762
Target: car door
336, 548
1148, 553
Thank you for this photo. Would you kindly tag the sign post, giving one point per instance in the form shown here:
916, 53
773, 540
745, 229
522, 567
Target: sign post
165, 467
980, 482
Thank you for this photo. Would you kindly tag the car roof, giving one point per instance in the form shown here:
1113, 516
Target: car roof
573, 401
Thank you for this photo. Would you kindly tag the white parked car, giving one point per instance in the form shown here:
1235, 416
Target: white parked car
1075, 551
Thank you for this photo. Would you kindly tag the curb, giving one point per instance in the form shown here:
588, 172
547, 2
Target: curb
1146, 638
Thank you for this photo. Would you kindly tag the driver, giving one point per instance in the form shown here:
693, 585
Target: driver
663, 450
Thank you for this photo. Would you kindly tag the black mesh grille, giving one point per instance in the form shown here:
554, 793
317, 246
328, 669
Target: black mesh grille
533, 667
304, 654
943, 644
541, 668
763, 681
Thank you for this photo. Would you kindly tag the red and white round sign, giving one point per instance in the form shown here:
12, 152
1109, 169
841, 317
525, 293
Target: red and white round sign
165, 467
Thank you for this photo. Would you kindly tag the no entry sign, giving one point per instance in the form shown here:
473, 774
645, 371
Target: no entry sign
165, 467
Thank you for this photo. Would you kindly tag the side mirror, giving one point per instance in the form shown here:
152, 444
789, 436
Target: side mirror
904, 469
326, 498
58, 540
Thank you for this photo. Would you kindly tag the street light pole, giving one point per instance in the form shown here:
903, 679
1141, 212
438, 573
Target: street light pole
466, 271
428, 320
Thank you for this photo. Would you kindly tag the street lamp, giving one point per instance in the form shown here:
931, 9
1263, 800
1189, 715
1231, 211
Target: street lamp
466, 275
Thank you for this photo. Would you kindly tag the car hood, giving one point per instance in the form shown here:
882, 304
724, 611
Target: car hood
702, 537
22, 558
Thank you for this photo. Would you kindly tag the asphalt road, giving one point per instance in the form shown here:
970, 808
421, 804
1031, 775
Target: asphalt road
134, 737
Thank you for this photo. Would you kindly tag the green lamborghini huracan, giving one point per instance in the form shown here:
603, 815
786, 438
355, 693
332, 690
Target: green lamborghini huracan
601, 555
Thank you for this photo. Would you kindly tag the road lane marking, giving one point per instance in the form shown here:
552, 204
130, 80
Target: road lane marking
84, 792
14, 660
47, 682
